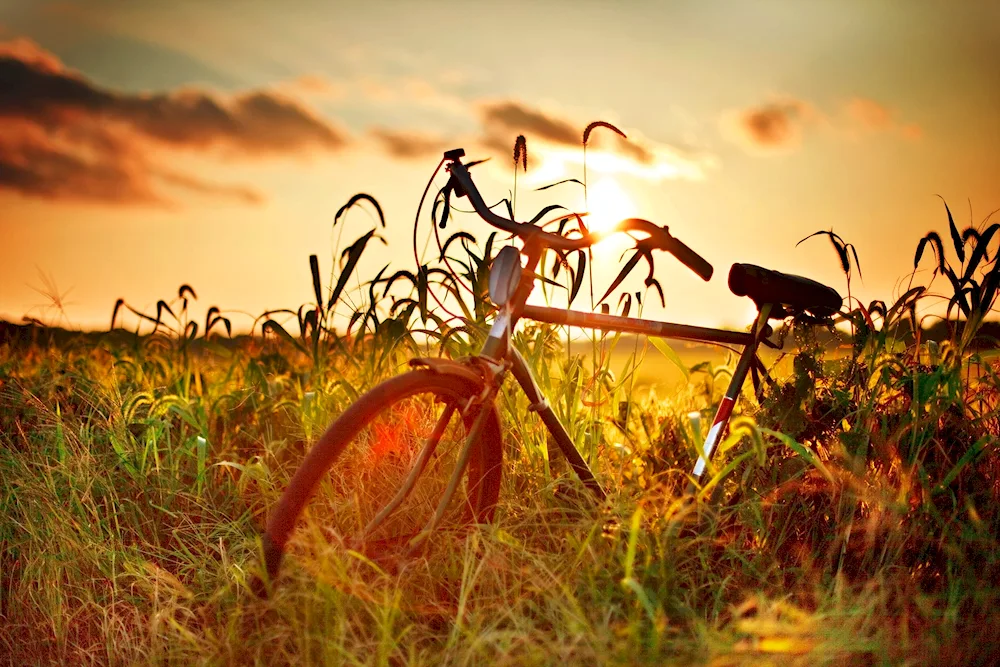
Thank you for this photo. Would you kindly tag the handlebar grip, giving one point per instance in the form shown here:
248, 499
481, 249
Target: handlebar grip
689, 258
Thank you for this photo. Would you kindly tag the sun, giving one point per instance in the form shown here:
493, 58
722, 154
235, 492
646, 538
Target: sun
608, 204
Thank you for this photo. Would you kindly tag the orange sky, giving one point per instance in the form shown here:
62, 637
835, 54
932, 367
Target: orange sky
148, 144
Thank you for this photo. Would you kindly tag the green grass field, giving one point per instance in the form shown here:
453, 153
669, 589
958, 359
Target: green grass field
137, 477
850, 518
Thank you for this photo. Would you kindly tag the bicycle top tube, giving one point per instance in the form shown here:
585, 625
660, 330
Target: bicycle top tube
659, 237
634, 325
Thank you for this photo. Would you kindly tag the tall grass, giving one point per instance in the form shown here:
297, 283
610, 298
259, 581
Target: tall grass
851, 517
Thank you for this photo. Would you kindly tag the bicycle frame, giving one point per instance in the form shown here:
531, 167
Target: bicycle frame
511, 284
497, 348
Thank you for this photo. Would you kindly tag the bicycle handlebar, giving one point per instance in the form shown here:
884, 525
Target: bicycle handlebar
689, 257
659, 237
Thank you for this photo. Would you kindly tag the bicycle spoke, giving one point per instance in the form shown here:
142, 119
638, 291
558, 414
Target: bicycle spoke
457, 474
418, 467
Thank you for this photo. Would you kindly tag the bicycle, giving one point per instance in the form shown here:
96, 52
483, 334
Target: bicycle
384, 419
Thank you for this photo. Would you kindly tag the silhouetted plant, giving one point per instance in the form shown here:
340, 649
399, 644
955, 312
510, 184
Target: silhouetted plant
974, 283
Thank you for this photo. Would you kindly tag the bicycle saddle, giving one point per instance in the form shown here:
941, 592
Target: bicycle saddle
789, 294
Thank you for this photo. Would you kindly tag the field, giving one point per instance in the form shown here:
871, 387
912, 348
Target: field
852, 517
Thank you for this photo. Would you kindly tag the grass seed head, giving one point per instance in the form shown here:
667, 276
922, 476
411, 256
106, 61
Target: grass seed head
521, 152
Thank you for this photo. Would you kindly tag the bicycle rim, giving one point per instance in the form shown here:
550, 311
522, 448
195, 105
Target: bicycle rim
377, 475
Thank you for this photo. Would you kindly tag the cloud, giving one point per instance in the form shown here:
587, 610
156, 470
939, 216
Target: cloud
869, 113
514, 118
63, 137
407, 145
558, 142
252, 123
255, 123
632, 146
871, 116
779, 126
27, 52
769, 128
93, 166
35, 163
318, 85
772, 125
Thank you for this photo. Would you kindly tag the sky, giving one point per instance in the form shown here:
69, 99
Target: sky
145, 145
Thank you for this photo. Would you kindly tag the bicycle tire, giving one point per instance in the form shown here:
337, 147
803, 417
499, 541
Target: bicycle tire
483, 473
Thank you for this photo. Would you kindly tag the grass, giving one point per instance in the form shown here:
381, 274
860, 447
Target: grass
132, 511
850, 519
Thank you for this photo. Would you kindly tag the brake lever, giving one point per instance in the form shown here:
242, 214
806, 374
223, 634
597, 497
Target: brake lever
445, 193
453, 186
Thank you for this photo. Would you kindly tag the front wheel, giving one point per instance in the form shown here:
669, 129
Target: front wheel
380, 470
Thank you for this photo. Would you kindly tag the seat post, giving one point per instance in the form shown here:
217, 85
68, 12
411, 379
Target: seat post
732, 392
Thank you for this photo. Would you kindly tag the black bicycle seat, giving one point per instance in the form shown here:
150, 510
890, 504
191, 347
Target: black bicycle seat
789, 294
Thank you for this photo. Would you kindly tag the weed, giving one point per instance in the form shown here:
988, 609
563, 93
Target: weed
850, 517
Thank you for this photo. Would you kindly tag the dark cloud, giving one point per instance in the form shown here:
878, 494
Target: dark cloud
93, 166
771, 126
29, 53
252, 123
37, 161
603, 139
62, 137
407, 145
505, 120
499, 144
515, 118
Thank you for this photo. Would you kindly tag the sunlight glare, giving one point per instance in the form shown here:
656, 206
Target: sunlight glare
609, 204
